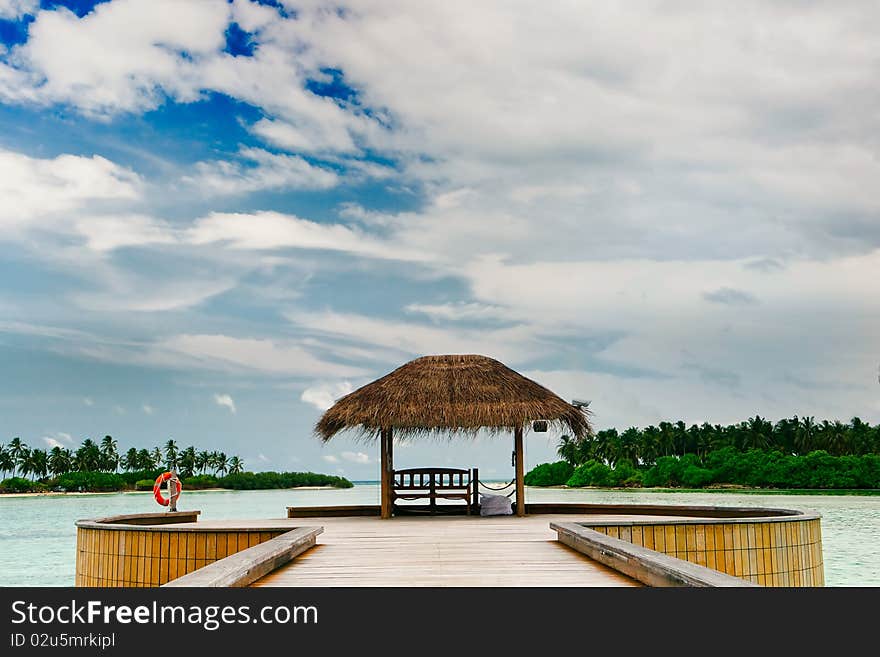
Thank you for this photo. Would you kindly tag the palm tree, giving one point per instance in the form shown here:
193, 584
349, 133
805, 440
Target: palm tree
60, 461
567, 451
88, 457
236, 465
7, 463
203, 461
806, 435
109, 454
155, 458
144, 461
187, 461
650, 444
24, 461
219, 462
171, 453
38, 463
16, 448
130, 460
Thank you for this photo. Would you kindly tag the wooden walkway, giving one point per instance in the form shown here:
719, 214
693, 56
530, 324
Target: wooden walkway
442, 551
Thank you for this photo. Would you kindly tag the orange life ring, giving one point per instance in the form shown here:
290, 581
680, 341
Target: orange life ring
157, 488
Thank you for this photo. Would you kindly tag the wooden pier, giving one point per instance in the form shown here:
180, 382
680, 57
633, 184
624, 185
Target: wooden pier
442, 551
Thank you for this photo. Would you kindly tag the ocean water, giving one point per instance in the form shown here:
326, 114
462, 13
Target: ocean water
38, 536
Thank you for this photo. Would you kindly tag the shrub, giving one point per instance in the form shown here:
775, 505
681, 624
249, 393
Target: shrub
20, 485
91, 481
144, 484
270, 479
136, 476
549, 474
592, 473
200, 482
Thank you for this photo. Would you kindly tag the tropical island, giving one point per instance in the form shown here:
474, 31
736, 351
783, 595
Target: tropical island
793, 453
98, 467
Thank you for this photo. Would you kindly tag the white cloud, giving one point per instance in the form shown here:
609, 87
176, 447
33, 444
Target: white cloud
122, 56
88, 401
224, 352
12, 9
119, 410
273, 230
226, 401
356, 457
59, 439
324, 395
109, 232
266, 171
460, 311
149, 410
330, 458
47, 189
410, 339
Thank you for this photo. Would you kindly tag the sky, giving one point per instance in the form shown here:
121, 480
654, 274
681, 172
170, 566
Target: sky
218, 217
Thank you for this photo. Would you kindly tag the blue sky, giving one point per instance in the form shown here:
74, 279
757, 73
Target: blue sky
216, 217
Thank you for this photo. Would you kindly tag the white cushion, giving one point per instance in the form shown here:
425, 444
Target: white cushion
495, 505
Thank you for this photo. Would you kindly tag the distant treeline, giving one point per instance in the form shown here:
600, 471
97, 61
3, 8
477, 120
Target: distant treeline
791, 453
96, 468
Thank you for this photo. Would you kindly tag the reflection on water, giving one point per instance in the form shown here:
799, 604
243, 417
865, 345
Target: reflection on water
38, 537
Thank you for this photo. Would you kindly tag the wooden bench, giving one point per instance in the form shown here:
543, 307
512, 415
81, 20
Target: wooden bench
436, 483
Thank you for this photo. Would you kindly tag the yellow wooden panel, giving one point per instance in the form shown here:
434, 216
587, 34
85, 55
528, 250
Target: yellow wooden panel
201, 545
680, 539
690, 532
729, 542
738, 568
163, 546
660, 538
625, 533
173, 566
700, 534
612, 531
211, 546
147, 576
671, 542
174, 546
710, 556
636, 535
752, 556
242, 541
648, 536
163, 570
709, 537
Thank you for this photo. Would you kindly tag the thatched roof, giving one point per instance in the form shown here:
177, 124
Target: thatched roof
451, 394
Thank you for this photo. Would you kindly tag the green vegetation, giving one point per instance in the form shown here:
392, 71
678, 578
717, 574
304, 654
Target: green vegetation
794, 453
95, 467
264, 480
20, 485
549, 474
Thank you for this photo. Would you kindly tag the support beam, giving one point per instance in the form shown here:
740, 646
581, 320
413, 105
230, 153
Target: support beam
387, 465
520, 473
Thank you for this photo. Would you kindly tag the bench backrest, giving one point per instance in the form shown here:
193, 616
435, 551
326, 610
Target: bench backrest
432, 479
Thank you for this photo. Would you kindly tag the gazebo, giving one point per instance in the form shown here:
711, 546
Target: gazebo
458, 395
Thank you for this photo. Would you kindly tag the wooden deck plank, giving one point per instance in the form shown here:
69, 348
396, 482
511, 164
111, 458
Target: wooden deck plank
442, 551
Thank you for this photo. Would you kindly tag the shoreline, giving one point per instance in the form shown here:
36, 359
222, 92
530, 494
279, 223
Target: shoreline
52, 493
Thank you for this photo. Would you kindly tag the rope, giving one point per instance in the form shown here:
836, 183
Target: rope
512, 482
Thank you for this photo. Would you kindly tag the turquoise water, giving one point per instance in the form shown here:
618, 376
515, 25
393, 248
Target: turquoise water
38, 537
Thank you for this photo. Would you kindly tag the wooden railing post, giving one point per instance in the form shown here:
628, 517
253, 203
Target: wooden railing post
520, 476
476, 483
387, 474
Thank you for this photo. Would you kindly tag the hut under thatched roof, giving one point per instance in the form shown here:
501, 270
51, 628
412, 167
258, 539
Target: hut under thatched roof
453, 394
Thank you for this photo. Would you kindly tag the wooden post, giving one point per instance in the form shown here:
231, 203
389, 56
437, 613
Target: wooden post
387, 474
476, 483
520, 485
